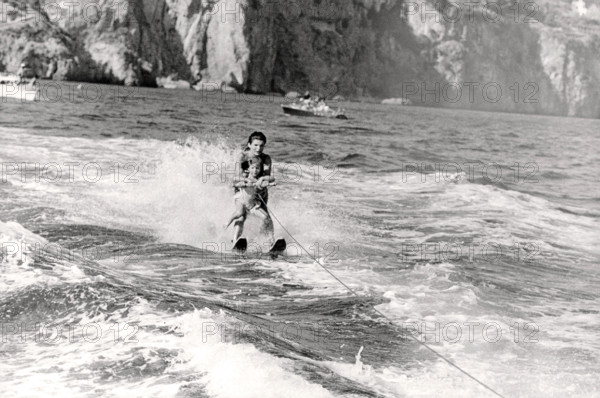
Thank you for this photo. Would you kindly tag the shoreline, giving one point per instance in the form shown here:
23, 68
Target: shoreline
77, 91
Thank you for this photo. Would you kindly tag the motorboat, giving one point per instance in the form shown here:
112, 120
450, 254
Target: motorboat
310, 108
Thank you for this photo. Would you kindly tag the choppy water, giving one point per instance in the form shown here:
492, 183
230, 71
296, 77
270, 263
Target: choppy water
114, 283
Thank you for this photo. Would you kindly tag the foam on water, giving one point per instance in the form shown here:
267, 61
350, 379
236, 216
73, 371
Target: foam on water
190, 196
23, 262
180, 191
167, 355
436, 297
256, 374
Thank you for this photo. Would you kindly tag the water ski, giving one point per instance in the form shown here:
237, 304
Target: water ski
277, 247
240, 245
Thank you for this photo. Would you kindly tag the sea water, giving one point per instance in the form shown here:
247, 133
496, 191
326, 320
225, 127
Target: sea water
416, 236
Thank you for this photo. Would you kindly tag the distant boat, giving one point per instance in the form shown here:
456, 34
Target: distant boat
171, 83
300, 110
9, 78
396, 101
11, 88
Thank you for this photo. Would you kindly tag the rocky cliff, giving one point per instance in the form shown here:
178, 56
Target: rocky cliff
540, 57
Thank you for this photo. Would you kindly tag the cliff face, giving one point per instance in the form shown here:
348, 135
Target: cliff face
333, 47
540, 60
538, 57
25, 35
573, 68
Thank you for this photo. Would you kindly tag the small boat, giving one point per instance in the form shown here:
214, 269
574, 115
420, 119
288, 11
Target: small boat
19, 92
296, 109
13, 87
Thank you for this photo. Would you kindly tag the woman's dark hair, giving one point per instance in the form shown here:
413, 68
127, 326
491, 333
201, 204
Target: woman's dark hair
257, 135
